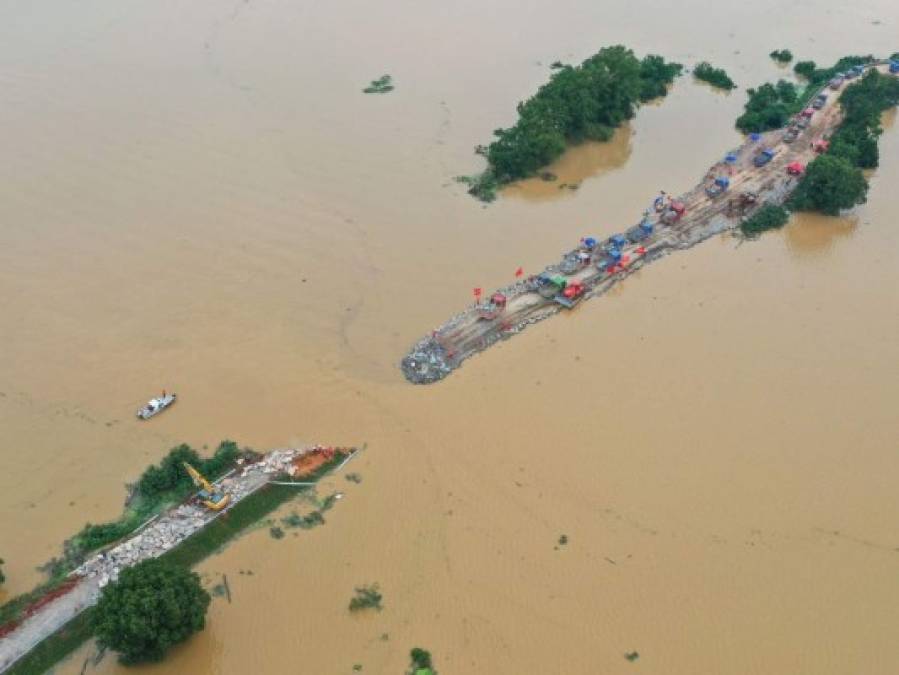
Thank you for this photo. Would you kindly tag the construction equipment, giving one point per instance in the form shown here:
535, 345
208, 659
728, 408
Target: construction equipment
548, 286
639, 232
675, 212
574, 261
571, 294
493, 307
211, 498
718, 188
744, 202
765, 156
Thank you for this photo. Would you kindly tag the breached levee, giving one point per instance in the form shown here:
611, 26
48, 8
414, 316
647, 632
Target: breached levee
594, 267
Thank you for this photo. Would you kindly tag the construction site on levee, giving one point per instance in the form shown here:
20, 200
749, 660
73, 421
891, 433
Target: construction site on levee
765, 169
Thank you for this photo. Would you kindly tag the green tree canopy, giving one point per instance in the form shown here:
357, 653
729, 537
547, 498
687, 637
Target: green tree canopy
830, 184
578, 103
2, 576
151, 607
716, 77
769, 107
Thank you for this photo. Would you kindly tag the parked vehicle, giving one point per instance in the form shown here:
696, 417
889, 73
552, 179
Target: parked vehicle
764, 156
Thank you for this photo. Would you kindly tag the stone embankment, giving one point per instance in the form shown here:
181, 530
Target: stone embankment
476, 328
151, 540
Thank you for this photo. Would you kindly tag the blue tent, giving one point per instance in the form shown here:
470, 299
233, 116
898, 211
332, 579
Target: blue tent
618, 240
646, 226
615, 254
722, 181
731, 158
894, 66
590, 242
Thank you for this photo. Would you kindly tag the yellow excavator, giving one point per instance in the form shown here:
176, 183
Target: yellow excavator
210, 497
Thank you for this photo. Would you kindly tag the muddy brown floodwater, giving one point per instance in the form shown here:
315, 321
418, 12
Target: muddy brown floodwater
199, 197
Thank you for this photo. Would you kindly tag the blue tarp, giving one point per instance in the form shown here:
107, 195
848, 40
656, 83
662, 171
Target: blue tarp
894, 66
646, 226
589, 242
723, 181
754, 137
615, 254
731, 157
618, 240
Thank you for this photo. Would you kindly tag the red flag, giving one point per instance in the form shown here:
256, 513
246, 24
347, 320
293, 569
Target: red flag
477, 292
519, 272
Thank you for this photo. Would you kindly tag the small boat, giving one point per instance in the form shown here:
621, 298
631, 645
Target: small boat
156, 405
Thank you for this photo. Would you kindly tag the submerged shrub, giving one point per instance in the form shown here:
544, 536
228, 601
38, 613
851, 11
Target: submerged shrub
714, 76
768, 217
782, 55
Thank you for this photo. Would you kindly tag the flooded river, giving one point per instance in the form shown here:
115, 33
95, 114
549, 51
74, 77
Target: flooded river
198, 197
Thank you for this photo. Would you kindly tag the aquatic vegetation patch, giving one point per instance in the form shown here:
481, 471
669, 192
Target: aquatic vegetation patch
716, 77
421, 662
768, 217
366, 597
382, 85
782, 55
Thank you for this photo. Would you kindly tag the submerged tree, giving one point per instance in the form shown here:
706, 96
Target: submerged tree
151, 607
829, 185
585, 102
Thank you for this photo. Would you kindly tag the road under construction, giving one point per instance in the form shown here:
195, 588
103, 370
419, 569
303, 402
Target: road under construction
765, 169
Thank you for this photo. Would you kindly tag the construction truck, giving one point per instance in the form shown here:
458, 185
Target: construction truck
493, 307
764, 156
675, 212
209, 496
572, 294
549, 285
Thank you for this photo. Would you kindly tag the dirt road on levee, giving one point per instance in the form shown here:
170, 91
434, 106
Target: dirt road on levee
594, 267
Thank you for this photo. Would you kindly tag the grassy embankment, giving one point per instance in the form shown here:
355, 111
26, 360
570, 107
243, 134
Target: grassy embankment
204, 543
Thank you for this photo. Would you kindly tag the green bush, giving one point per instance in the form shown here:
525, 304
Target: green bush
367, 597
819, 76
382, 85
769, 107
159, 486
153, 606
421, 662
829, 185
805, 69
714, 76
782, 55
578, 103
768, 217
862, 103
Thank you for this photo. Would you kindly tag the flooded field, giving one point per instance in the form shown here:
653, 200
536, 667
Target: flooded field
201, 199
